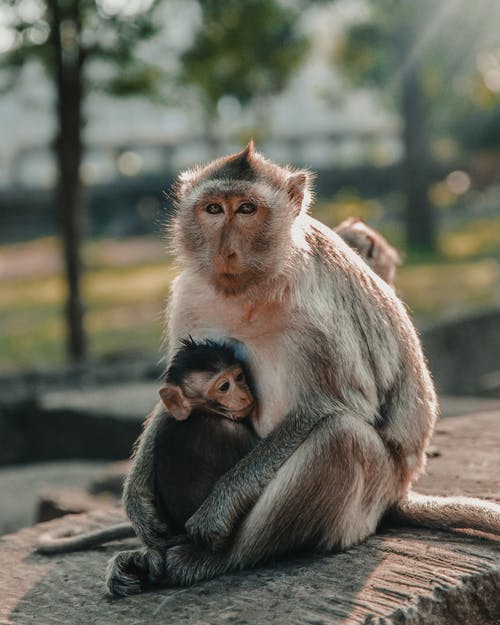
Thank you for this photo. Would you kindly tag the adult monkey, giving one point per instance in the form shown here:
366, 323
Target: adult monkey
193, 447
347, 405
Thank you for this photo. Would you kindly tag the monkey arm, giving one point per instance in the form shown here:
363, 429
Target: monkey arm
236, 492
138, 493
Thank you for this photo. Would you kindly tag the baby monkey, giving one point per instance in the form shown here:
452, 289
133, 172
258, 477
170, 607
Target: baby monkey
204, 431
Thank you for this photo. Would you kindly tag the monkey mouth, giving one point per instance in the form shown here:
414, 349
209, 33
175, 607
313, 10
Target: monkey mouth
239, 415
233, 276
232, 283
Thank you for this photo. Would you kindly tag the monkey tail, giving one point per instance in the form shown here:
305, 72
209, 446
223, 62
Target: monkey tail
62, 541
446, 513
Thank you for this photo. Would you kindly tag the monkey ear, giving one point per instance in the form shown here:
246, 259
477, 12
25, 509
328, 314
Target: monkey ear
372, 247
297, 187
175, 402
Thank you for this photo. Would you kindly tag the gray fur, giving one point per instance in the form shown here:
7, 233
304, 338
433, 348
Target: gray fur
347, 404
155, 531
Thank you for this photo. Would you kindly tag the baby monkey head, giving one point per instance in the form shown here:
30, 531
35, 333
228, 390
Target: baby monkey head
206, 377
377, 252
234, 218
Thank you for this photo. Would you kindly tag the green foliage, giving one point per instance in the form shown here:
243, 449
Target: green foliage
90, 32
366, 55
451, 44
124, 303
243, 49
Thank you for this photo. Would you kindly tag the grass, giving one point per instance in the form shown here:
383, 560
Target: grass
127, 282
124, 311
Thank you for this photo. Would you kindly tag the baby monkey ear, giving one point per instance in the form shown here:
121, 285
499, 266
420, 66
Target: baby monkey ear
297, 187
175, 402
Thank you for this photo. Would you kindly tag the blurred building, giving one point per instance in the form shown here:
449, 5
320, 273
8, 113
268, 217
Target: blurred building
312, 122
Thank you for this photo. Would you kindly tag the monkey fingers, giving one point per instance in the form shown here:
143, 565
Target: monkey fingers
218, 517
130, 572
188, 564
207, 527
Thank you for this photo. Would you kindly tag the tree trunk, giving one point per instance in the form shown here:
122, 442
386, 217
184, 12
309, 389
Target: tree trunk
68, 150
420, 218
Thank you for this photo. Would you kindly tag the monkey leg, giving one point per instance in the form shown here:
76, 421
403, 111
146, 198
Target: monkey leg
131, 572
330, 494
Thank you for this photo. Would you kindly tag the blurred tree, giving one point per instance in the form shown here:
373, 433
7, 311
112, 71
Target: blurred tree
384, 52
474, 96
246, 50
65, 36
439, 65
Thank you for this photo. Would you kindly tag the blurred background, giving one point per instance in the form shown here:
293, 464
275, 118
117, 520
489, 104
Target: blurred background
396, 106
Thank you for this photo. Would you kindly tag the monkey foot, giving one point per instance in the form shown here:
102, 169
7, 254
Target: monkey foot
131, 572
187, 564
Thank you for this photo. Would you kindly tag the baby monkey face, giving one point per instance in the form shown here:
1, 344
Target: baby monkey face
230, 390
225, 393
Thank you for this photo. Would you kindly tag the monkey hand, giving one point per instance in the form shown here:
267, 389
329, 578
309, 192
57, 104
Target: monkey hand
212, 524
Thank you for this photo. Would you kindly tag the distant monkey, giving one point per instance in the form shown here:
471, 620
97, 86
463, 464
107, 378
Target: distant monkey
204, 432
379, 254
346, 402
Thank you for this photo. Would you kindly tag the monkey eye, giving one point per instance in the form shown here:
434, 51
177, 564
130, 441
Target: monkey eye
239, 377
223, 388
214, 209
247, 208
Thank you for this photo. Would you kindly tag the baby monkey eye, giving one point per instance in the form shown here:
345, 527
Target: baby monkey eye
247, 208
223, 388
214, 209
239, 377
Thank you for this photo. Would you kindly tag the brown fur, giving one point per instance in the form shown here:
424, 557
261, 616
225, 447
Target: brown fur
346, 402
375, 250
202, 432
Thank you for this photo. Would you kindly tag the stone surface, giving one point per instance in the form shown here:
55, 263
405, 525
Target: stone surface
402, 576
110, 480
21, 486
463, 354
123, 401
55, 503
39, 432
102, 421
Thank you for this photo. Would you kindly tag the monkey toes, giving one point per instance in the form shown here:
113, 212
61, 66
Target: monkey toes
130, 572
188, 564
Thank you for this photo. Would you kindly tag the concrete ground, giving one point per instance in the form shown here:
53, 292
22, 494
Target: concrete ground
402, 576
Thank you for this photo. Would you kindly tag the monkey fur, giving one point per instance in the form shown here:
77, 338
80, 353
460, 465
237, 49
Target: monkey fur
191, 454
346, 402
370, 245
375, 250
191, 451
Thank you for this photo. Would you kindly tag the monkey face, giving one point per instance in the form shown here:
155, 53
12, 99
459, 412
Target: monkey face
230, 390
225, 393
234, 228
235, 217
